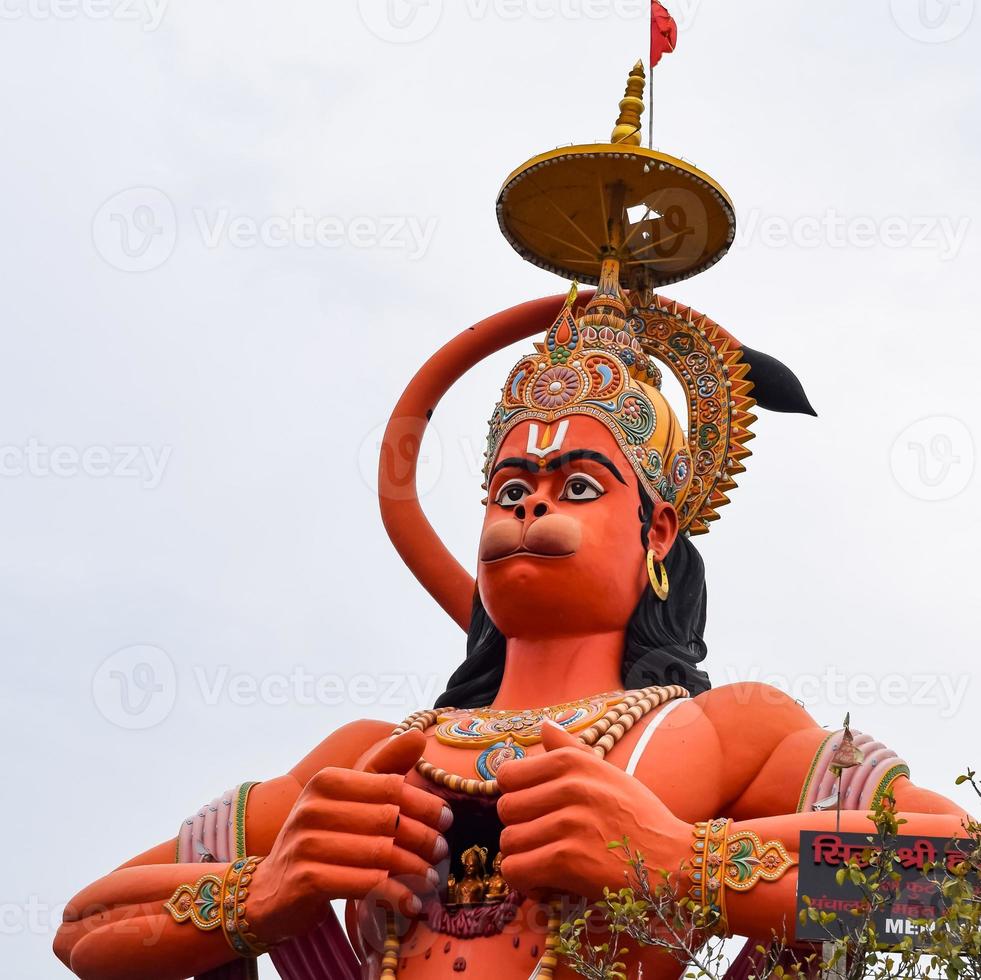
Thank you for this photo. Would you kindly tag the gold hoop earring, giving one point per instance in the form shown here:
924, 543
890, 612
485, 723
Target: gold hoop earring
659, 577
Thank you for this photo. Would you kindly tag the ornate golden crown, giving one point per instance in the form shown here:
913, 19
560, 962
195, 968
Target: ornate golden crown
601, 360
608, 372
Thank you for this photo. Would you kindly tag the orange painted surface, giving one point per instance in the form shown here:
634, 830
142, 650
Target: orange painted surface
561, 568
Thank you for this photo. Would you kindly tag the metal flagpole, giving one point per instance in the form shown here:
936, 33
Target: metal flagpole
650, 110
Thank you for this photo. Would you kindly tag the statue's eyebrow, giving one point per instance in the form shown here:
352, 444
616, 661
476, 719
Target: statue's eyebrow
517, 463
590, 454
533, 466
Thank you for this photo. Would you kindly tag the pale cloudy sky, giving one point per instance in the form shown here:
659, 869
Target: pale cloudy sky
191, 391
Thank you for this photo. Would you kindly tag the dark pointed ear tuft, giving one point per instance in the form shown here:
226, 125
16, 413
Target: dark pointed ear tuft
775, 386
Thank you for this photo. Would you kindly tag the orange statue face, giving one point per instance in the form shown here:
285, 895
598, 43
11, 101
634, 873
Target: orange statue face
561, 551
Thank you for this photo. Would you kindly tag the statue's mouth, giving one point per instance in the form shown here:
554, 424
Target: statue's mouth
552, 536
525, 553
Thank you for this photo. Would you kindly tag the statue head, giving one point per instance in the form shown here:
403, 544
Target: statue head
587, 473
581, 437
588, 469
474, 860
563, 546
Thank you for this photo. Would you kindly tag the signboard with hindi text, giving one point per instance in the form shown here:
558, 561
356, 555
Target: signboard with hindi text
914, 897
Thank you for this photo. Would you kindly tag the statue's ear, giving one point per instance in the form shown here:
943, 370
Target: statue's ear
775, 387
663, 530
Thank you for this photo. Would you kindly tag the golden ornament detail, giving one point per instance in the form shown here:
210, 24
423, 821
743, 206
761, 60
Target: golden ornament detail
738, 861
479, 728
215, 901
658, 575
603, 358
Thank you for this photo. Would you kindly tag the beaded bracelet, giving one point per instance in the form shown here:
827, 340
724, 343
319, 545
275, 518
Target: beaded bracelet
215, 901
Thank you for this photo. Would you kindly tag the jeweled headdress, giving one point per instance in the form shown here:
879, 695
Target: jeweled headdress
630, 219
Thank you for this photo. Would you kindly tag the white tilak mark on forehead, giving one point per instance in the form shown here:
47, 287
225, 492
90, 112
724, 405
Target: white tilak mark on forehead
554, 446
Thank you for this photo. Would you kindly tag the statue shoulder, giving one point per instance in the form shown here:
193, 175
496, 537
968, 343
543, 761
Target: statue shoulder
758, 724
743, 696
751, 712
345, 748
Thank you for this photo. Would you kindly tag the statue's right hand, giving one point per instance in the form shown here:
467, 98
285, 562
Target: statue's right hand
352, 834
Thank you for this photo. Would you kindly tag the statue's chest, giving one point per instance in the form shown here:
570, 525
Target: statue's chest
476, 923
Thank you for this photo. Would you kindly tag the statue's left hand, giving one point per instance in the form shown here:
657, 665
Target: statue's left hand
562, 809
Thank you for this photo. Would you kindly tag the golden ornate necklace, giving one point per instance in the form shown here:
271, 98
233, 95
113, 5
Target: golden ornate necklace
608, 717
481, 727
600, 722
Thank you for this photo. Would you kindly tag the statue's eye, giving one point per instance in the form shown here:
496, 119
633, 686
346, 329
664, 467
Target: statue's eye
581, 487
512, 493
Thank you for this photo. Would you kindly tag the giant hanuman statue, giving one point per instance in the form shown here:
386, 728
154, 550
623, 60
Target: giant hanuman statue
580, 715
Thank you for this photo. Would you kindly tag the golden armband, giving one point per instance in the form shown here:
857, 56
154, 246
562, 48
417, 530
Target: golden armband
723, 859
218, 902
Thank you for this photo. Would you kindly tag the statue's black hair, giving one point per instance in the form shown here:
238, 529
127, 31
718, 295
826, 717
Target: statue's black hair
664, 641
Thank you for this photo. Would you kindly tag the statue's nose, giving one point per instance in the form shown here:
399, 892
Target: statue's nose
538, 508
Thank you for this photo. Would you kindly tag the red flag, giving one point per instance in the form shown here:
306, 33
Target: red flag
664, 32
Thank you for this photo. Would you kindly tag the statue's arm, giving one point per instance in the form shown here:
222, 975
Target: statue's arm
784, 775
777, 756
118, 927
751, 751
772, 905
